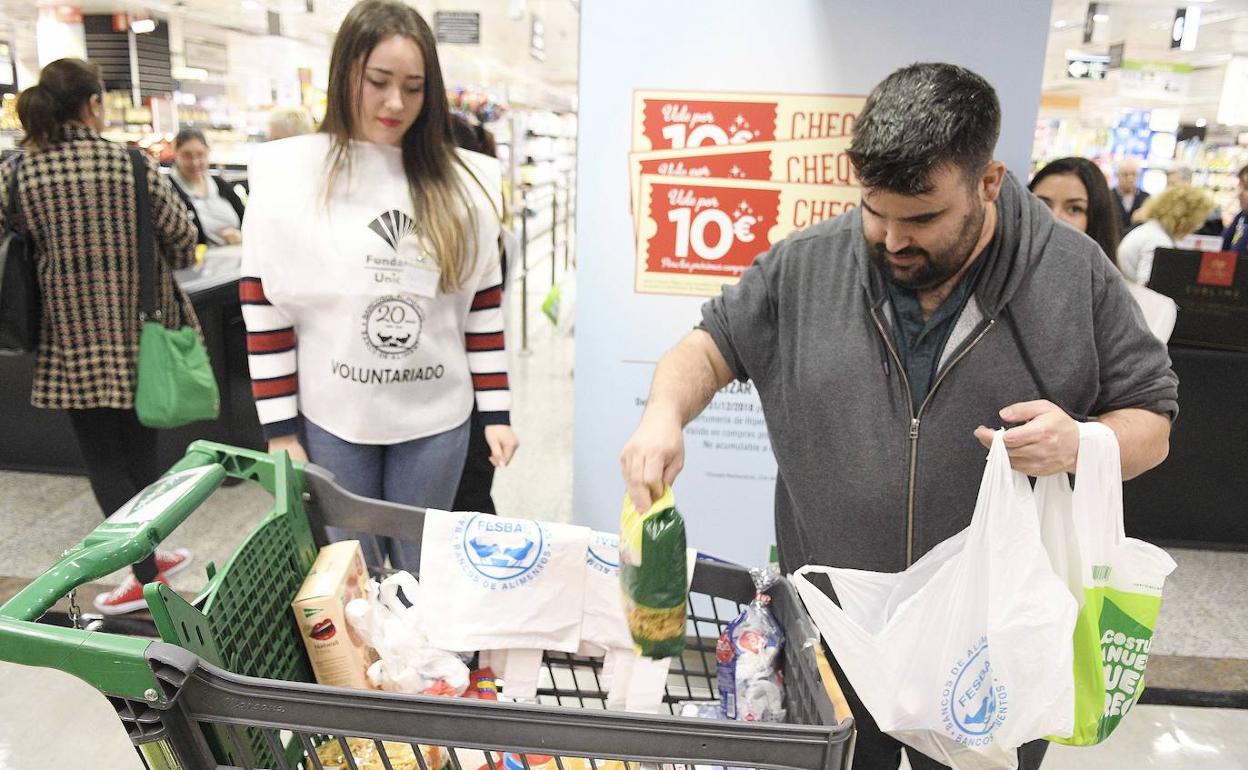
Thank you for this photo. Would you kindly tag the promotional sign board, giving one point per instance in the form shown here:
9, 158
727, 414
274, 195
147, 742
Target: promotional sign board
702, 143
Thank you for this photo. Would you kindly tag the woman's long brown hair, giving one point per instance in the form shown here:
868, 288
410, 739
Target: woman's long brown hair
443, 208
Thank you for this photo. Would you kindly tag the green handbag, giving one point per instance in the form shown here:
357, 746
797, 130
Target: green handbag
176, 384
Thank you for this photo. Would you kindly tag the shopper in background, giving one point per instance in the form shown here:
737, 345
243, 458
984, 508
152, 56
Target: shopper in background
1169, 216
216, 208
76, 197
1127, 194
886, 343
1076, 192
1236, 236
470, 134
285, 122
1178, 175
371, 258
477, 480
1183, 175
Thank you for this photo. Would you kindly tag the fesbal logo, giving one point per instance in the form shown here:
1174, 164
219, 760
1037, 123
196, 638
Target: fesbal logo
603, 554
972, 703
501, 554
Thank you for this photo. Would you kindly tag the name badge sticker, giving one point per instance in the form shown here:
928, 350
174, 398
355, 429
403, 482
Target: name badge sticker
420, 274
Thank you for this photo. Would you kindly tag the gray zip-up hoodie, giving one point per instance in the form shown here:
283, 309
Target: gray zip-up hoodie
865, 481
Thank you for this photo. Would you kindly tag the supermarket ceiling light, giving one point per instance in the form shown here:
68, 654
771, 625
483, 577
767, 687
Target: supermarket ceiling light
1100, 18
250, 5
1185, 28
142, 26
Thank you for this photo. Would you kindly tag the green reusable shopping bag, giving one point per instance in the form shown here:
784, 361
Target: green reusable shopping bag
1117, 580
175, 383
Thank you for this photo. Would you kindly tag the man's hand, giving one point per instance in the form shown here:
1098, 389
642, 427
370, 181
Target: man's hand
653, 457
503, 444
232, 235
1047, 442
291, 445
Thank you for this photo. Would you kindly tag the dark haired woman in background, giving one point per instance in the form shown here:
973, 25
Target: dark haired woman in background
1076, 191
75, 194
217, 210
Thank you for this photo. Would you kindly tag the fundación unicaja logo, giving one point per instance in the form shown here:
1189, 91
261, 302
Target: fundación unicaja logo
972, 703
392, 324
393, 226
501, 554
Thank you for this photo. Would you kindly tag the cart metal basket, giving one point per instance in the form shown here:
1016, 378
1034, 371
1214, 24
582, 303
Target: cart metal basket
229, 684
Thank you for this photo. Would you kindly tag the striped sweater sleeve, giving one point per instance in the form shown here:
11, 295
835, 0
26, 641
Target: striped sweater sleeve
271, 358
487, 350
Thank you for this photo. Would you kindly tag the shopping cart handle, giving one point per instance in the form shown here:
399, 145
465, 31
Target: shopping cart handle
114, 664
128, 536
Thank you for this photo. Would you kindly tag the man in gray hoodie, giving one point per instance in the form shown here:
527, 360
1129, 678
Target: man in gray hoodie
887, 343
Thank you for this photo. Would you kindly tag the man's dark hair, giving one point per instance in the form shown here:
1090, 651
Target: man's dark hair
923, 117
1243, 175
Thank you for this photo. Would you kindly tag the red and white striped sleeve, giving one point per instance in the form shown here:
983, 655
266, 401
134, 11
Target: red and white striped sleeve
487, 350
271, 358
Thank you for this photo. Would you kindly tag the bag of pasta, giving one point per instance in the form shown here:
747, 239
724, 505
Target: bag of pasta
652, 576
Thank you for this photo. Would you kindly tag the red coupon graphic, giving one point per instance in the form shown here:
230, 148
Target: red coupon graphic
1217, 268
677, 120
811, 161
694, 237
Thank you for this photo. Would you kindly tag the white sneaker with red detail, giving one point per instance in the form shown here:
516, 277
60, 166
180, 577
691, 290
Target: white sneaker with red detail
127, 597
172, 562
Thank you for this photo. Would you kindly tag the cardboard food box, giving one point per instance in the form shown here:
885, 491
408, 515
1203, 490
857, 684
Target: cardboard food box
339, 656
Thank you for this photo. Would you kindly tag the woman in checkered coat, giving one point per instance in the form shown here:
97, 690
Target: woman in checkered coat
75, 194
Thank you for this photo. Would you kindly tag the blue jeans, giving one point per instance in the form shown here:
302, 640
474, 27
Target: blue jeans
424, 472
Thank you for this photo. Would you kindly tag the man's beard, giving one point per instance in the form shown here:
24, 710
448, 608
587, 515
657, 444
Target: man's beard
932, 271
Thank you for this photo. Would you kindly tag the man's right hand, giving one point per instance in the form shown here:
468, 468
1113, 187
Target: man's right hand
291, 445
653, 457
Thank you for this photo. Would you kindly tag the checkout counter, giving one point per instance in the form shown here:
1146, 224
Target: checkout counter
1199, 496
42, 439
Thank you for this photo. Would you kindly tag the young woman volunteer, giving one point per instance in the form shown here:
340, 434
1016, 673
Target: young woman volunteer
372, 284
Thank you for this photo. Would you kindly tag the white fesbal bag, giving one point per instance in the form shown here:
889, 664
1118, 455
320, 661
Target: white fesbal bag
633, 683
496, 583
966, 655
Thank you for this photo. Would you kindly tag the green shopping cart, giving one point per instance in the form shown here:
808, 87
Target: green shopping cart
228, 683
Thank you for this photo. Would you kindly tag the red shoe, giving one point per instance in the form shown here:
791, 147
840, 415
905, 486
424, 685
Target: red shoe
172, 562
127, 597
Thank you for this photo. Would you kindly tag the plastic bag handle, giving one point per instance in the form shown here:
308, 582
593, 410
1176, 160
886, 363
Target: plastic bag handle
1098, 482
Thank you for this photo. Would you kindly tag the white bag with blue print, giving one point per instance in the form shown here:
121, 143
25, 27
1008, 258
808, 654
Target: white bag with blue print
966, 655
633, 683
496, 583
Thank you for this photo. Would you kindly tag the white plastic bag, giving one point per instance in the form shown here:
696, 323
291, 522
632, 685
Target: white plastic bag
966, 655
406, 663
1116, 580
497, 583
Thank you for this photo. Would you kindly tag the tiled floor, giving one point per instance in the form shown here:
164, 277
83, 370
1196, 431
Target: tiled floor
50, 720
